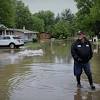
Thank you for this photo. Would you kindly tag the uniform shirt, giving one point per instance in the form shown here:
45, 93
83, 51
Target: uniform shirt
81, 52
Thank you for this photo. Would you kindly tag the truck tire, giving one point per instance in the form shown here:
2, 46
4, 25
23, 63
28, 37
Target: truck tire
12, 45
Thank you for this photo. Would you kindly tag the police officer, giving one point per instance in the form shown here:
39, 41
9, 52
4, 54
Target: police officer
81, 51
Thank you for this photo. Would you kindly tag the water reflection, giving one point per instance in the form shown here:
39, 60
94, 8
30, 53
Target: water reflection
9, 56
56, 52
96, 63
96, 48
84, 95
80, 96
43, 77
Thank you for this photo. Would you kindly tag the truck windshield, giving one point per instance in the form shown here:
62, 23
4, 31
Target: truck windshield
16, 38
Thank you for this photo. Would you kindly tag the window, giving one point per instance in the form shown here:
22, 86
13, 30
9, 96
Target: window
6, 38
16, 38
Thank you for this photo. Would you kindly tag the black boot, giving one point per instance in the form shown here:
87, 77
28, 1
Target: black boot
78, 81
92, 87
91, 82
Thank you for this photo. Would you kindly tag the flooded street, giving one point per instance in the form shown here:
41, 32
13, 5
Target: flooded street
46, 77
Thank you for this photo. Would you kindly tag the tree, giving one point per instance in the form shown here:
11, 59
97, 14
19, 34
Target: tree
95, 11
47, 17
64, 25
37, 24
84, 6
88, 15
61, 29
58, 18
7, 12
67, 15
83, 20
23, 15
95, 16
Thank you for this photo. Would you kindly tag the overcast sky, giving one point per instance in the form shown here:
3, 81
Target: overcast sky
56, 6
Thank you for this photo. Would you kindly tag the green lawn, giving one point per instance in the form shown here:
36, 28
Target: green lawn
32, 45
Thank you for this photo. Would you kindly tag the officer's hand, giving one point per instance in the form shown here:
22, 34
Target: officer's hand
79, 59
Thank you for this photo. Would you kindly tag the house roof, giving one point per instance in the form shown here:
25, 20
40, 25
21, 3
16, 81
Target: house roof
23, 30
2, 27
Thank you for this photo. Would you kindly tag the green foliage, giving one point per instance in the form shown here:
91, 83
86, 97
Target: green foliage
23, 15
67, 15
7, 12
47, 17
84, 6
64, 25
32, 45
25, 18
37, 24
58, 18
14, 13
61, 30
88, 15
95, 11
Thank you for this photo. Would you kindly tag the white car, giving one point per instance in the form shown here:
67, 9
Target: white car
11, 41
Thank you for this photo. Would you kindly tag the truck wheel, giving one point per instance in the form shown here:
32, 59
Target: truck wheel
12, 46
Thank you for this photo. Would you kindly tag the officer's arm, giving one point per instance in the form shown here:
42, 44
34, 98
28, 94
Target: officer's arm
74, 53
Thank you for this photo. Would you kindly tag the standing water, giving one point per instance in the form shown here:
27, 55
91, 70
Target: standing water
45, 77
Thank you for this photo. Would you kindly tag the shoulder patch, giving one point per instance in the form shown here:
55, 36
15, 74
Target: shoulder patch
78, 46
87, 45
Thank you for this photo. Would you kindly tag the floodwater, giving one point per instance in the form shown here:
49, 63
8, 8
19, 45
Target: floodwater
46, 77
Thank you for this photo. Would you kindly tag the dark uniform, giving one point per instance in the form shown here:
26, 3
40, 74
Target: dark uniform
82, 53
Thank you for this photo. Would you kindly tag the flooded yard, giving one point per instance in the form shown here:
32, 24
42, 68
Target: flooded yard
45, 77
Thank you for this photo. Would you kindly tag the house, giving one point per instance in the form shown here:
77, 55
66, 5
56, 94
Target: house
26, 35
3, 29
44, 36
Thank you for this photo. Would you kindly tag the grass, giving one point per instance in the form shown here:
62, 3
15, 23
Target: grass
99, 41
32, 45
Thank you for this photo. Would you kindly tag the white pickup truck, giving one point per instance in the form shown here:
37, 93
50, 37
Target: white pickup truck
11, 41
